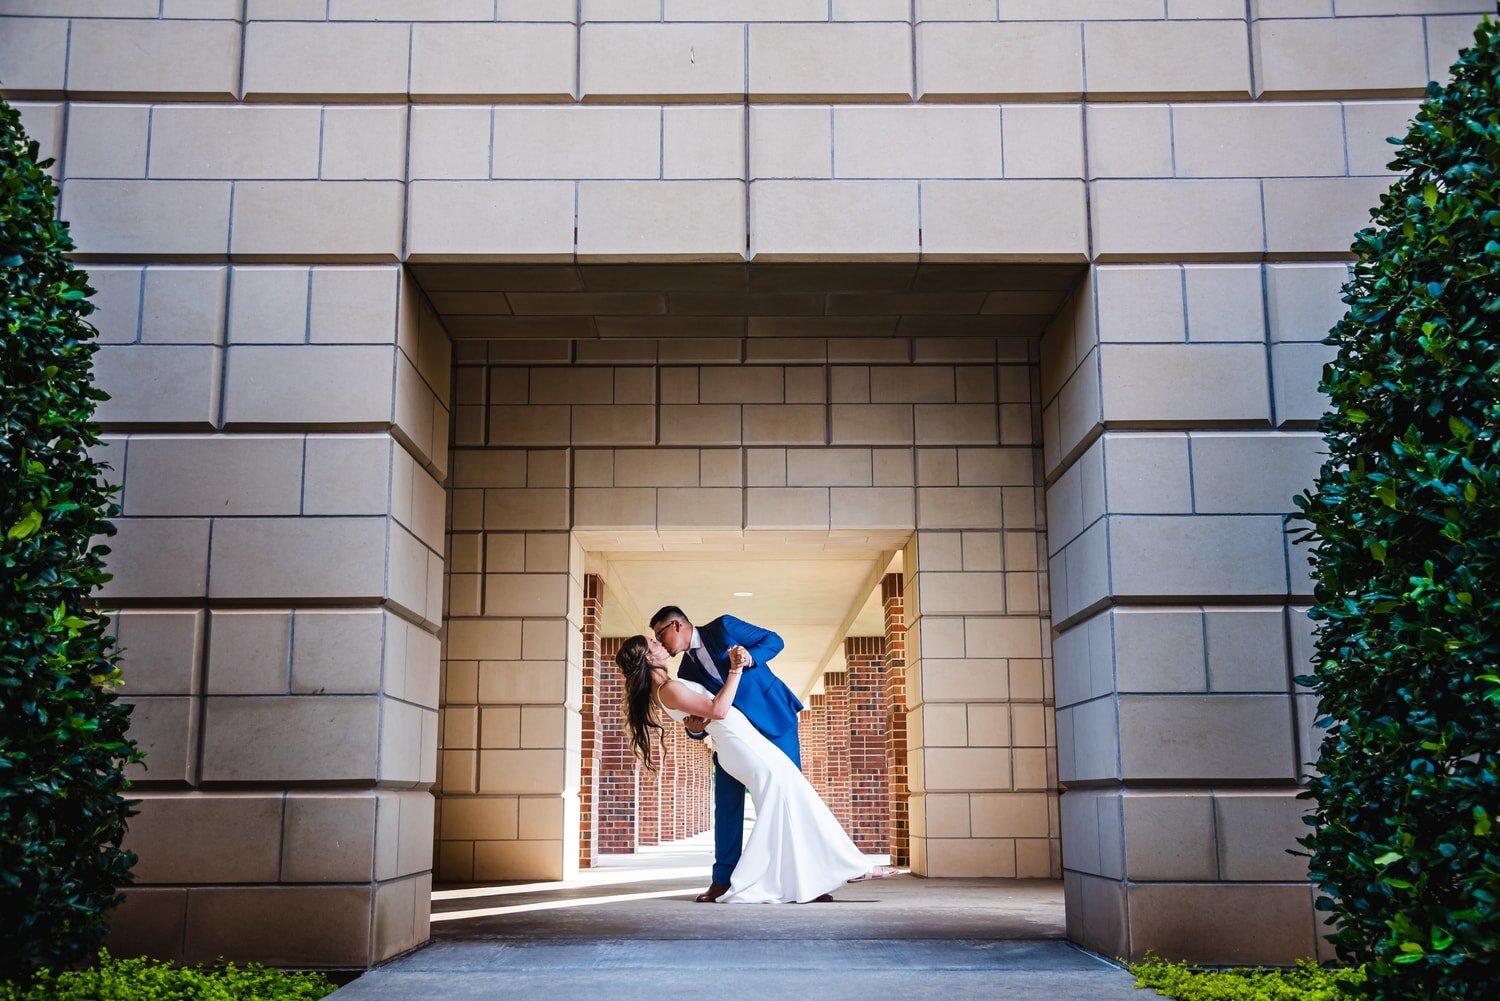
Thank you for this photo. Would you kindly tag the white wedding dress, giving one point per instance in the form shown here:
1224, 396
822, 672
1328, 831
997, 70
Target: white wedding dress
796, 851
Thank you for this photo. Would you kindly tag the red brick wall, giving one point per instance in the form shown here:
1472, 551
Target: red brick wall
869, 794
898, 829
836, 696
812, 733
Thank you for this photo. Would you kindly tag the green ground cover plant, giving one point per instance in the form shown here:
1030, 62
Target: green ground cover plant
111, 979
1307, 981
63, 745
1405, 526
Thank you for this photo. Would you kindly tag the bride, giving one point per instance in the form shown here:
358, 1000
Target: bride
796, 851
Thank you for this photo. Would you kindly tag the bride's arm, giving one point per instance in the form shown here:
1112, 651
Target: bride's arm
683, 698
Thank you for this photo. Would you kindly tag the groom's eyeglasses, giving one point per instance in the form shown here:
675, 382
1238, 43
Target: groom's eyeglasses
663, 631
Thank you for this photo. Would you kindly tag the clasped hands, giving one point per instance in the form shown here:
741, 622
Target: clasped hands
739, 659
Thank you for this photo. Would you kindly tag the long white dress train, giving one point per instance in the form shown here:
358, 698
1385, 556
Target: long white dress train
797, 851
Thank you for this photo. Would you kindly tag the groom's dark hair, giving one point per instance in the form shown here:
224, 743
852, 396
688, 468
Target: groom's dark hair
665, 613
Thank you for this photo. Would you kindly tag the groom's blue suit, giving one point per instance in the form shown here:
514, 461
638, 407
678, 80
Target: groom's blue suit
764, 699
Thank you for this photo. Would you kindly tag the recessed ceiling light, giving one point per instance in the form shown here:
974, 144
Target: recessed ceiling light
744, 594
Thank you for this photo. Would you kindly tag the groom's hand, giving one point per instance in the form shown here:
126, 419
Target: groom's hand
739, 657
695, 724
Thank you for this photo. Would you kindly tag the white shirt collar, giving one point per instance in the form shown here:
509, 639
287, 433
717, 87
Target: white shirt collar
696, 643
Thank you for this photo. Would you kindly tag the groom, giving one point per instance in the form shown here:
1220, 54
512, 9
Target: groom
708, 652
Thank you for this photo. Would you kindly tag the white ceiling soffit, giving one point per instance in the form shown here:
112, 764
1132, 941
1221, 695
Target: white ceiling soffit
812, 601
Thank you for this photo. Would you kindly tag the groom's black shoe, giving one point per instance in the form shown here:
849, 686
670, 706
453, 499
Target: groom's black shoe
714, 892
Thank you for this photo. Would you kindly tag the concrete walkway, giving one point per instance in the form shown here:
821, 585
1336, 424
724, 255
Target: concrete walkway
629, 931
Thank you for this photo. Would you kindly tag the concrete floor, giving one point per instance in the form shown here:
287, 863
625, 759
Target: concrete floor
629, 930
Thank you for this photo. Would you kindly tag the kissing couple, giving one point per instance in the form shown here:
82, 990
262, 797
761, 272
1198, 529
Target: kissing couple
724, 688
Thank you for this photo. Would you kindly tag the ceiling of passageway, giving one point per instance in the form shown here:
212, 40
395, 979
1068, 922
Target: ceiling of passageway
590, 301
811, 601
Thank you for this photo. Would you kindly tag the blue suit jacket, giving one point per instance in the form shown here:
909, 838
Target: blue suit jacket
764, 698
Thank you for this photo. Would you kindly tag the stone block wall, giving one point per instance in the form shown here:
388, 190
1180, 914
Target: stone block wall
747, 445
278, 591
246, 178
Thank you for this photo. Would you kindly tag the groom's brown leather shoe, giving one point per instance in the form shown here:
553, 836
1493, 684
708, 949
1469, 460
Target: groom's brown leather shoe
714, 892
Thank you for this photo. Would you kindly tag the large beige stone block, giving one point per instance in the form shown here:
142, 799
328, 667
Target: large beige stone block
347, 474
661, 220
158, 558
364, 144
1319, 215
286, 60
787, 508
328, 838
104, 140
450, 143
662, 62
1206, 738
216, 475
1303, 300
1029, 220
791, 142
1188, 383
299, 558
813, 220
1235, 554
1204, 922
1148, 474
1329, 56
1043, 140
1267, 140
1169, 836
268, 306
916, 141
156, 218
987, 62
822, 62
1253, 473
1296, 370
1155, 650
352, 220
299, 738
165, 728
1257, 832
1182, 220
1129, 140
214, 838
321, 384
341, 652
576, 142
300, 927
703, 142
184, 305
468, 220
1167, 58
176, 384
116, 57
34, 52
235, 142
493, 62
161, 652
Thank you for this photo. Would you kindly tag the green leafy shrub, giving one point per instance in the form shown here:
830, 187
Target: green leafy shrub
62, 732
1307, 981
149, 980
1405, 521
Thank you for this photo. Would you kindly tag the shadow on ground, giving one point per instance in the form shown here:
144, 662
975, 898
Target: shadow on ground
630, 930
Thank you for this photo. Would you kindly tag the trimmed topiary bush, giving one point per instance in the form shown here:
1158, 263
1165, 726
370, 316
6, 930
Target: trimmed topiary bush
62, 732
111, 979
1406, 525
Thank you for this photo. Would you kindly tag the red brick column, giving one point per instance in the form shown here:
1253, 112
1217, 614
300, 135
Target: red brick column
899, 836
593, 609
812, 733
648, 805
869, 795
836, 691
670, 789
616, 782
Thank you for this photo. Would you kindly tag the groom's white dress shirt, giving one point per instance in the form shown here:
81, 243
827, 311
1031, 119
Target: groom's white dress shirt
697, 650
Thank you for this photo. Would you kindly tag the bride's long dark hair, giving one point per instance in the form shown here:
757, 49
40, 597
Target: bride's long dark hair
637, 670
